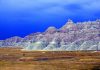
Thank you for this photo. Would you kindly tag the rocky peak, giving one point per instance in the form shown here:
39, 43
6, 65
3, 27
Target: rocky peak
14, 39
69, 25
86, 37
51, 30
98, 20
70, 22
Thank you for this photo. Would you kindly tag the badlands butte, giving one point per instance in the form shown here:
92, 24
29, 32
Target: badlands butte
70, 37
74, 46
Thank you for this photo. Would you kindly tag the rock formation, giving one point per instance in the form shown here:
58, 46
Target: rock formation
70, 37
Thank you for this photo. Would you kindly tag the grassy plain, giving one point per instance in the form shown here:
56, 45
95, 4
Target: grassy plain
15, 59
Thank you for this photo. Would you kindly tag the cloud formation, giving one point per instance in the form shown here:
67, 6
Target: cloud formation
27, 9
20, 14
42, 5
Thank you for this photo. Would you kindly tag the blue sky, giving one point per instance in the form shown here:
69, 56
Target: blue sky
22, 17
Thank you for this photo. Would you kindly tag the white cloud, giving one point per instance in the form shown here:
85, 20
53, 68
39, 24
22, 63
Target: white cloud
52, 6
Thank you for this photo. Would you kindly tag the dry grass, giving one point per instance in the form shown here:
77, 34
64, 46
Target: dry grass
15, 59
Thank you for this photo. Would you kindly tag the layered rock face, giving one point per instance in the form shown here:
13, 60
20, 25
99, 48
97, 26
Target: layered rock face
70, 37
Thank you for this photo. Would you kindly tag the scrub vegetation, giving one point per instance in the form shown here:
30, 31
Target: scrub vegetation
15, 59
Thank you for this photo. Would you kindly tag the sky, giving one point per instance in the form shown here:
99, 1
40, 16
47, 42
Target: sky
22, 17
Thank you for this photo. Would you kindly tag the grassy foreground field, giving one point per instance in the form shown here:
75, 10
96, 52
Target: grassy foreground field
15, 59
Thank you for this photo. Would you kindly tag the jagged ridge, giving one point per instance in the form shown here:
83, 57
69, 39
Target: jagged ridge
71, 37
